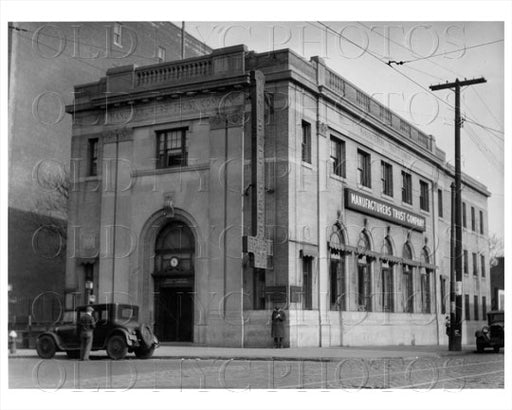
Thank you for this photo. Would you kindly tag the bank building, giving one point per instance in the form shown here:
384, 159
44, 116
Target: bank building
238, 181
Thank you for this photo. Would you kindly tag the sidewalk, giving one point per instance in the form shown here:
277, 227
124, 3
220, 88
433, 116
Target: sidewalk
175, 351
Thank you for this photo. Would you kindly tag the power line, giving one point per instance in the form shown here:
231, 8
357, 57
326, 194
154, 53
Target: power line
485, 127
401, 73
486, 106
425, 73
400, 45
449, 52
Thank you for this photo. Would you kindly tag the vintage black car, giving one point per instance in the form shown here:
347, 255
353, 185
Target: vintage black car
118, 331
493, 334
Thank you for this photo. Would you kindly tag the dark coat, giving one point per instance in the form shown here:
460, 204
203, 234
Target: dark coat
87, 324
278, 319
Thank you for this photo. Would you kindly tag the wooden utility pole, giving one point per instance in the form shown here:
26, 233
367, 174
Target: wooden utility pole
455, 342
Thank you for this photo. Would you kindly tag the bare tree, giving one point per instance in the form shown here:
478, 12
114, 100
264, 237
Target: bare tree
495, 248
50, 212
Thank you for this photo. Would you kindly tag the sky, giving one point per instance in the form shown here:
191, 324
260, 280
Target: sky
433, 53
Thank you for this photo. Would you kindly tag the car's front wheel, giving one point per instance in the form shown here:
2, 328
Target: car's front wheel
46, 347
496, 349
117, 347
144, 352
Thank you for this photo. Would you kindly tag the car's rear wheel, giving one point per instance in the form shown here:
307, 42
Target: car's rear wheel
46, 347
480, 346
117, 347
496, 349
144, 352
73, 354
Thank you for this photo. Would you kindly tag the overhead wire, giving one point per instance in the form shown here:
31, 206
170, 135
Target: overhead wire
398, 71
479, 144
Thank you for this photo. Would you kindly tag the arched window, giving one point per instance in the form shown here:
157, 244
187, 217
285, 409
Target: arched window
337, 287
407, 252
407, 280
363, 243
387, 278
174, 250
425, 281
425, 255
364, 285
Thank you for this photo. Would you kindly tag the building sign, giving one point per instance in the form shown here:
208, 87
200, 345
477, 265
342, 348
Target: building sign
383, 210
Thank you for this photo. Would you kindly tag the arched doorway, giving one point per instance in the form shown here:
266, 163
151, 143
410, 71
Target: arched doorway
174, 283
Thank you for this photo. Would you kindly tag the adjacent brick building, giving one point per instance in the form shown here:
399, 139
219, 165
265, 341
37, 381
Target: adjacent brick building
247, 180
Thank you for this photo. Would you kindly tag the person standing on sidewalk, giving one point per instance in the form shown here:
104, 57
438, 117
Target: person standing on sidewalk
87, 325
278, 318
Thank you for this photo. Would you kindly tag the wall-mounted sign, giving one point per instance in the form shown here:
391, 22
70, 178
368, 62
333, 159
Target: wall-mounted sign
295, 294
364, 203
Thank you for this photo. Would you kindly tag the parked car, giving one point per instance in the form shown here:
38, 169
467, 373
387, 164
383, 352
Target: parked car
493, 334
117, 331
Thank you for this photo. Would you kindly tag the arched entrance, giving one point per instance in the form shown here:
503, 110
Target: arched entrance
174, 283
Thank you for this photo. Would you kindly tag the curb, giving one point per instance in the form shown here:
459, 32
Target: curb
255, 358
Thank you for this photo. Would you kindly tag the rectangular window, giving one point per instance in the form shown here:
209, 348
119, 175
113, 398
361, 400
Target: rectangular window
440, 202
425, 292
463, 214
337, 285
307, 283
481, 223
473, 221
117, 35
475, 307
407, 289
424, 201
466, 267
171, 148
387, 289
161, 54
475, 264
484, 307
406, 188
443, 294
93, 157
482, 265
338, 156
364, 286
306, 142
364, 170
387, 178
467, 316
259, 289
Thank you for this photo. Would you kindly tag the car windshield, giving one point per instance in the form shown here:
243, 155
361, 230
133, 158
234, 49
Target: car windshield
496, 317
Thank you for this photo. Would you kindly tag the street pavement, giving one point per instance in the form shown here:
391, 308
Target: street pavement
179, 351
196, 367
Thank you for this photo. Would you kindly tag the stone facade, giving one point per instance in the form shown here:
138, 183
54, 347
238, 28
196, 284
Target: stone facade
46, 59
353, 261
